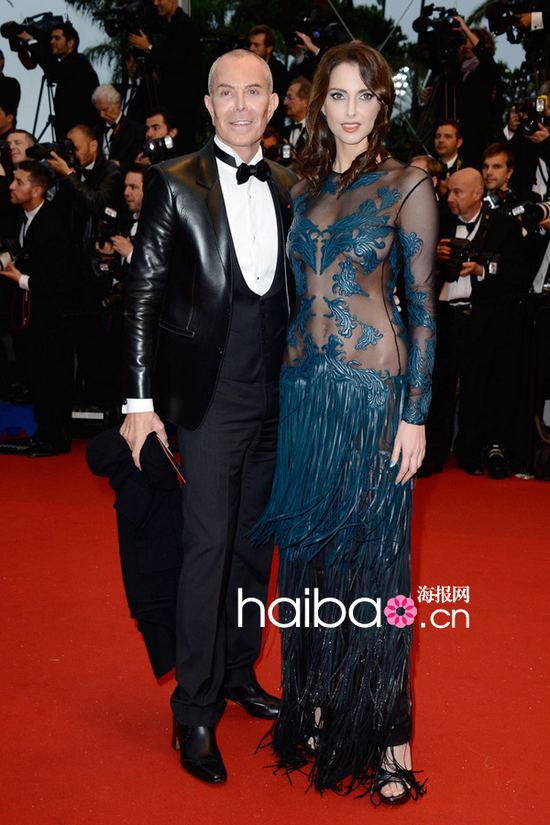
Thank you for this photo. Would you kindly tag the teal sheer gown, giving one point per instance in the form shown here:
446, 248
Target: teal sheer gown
352, 372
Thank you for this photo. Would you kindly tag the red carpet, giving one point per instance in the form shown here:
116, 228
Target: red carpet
85, 737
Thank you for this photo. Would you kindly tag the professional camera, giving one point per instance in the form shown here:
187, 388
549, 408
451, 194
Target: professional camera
501, 16
438, 32
107, 226
39, 26
129, 17
158, 149
11, 252
535, 115
323, 32
462, 252
531, 214
64, 148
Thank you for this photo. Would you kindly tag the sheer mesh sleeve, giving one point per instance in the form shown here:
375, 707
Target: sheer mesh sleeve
418, 224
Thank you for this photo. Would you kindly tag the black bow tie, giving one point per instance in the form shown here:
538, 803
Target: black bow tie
469, 225
245, 171
296, 126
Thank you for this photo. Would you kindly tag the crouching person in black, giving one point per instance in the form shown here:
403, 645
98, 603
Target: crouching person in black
42, 275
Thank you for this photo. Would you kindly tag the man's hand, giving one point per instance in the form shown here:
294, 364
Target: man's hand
59, 165
443, 251
541, 134
143, 159
425, 94
135, 429
545, 224
410, 445
122, 245
471, 268
308, 43
140, 41
11, 272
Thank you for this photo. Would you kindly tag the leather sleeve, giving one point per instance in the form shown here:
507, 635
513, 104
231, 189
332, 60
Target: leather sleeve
146, 282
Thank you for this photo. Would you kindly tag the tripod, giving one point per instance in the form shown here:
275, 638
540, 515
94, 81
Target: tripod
50, 122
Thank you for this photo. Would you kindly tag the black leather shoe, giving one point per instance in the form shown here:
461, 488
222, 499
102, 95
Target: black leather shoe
255, 700
16, 446
199, 752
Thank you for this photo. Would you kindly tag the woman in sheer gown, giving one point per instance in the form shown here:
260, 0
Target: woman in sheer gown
355, 391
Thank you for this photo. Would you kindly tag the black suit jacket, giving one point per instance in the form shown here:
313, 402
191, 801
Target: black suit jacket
126, 141
503, 242
49, 265
179, 288
76, 79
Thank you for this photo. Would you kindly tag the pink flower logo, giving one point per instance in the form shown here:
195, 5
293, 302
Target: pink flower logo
400, 611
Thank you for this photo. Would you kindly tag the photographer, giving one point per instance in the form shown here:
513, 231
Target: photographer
262, 41
296, 102
42, 275
466, 86
528, 135
86, 188
158, 125
10, 90
480, 257
121, 138
71, 71
173, 54
497, 167
19, 140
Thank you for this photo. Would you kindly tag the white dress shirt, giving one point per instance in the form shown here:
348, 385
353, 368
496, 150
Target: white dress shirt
252, 222
24, 279
461, 289
253, 225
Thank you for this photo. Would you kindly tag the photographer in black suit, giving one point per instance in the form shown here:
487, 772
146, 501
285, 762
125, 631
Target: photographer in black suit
475, 347
121, 138
43, 275
86, 189
72, 73
173, 54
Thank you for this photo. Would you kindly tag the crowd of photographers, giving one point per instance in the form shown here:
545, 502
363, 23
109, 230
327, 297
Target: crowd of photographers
69, 209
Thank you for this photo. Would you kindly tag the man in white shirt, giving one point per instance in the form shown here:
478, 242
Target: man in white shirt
208, 301
296, 102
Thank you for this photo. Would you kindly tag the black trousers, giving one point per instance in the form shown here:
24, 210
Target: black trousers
49, 361
228, 463
476, 352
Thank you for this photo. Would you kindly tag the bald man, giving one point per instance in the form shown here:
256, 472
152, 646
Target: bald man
478, 285
207, 311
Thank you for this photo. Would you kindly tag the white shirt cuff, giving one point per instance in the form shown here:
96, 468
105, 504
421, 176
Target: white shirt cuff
536, 21
481, 277
508, 134
129, 256
137, 405
24, 282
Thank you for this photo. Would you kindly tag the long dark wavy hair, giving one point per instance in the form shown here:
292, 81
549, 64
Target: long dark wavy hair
320, 150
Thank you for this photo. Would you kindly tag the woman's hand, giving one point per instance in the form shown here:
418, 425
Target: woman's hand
410, 446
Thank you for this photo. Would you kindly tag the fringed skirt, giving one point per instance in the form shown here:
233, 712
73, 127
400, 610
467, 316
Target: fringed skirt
342, 527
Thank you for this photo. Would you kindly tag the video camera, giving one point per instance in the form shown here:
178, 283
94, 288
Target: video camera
323, 32
39, 26
158, 149
64, 148
501, 16
438, 33
129, 17
462, 251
